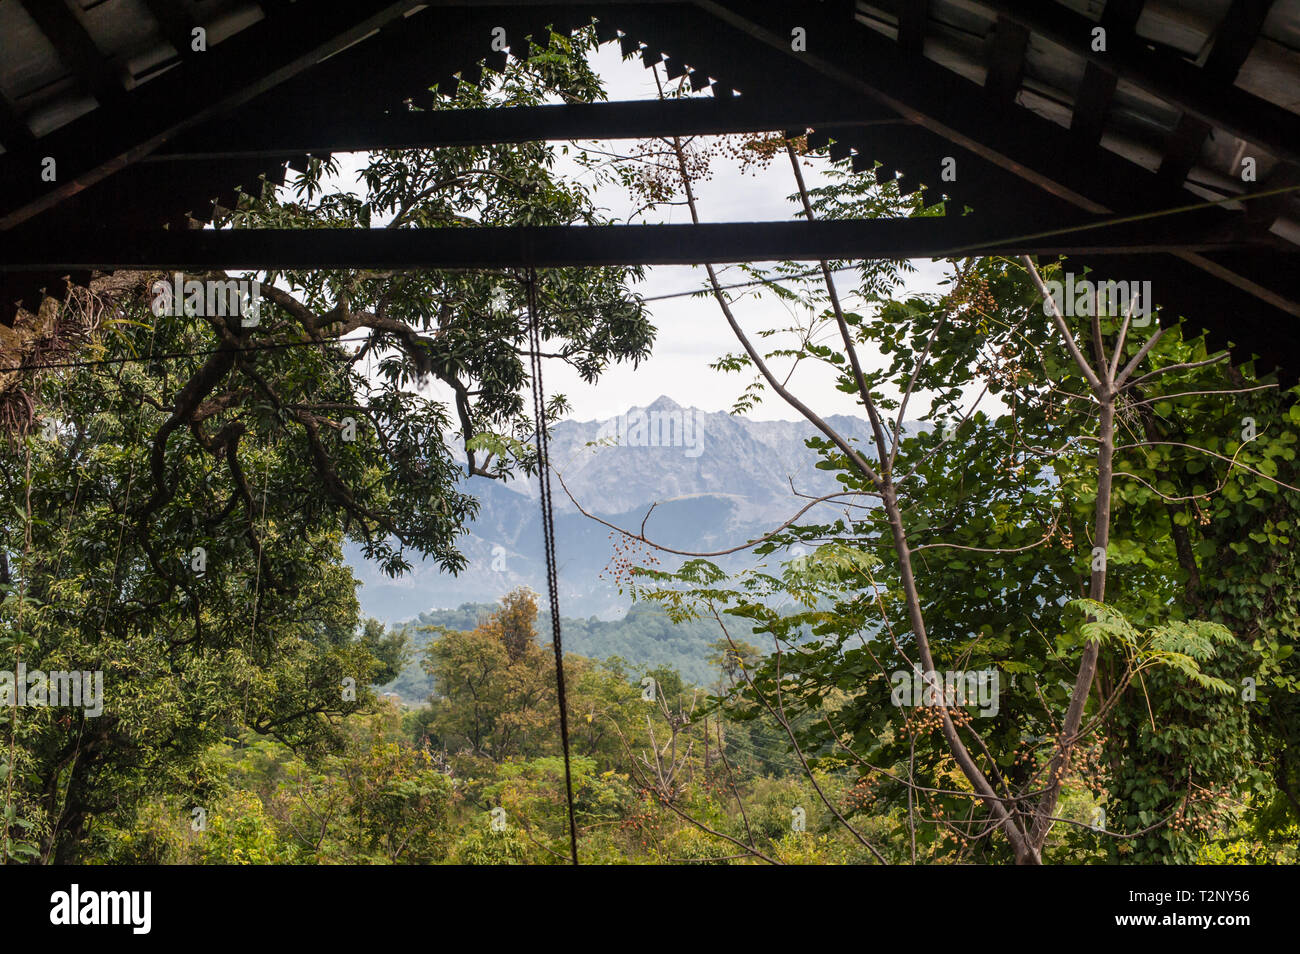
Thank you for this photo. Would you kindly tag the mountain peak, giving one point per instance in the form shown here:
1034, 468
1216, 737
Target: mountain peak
664, 403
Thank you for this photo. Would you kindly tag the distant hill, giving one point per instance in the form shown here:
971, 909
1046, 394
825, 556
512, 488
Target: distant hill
645, 637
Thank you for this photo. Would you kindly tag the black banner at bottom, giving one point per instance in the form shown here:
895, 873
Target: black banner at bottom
340, 904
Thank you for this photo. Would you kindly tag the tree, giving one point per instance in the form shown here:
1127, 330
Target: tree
488, 701
733, 659
514, 623
221, 610
392, 650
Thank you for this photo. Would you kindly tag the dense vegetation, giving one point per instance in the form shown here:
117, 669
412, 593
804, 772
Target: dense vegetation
477, 778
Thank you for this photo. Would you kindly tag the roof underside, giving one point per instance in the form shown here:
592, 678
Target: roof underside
1051, 123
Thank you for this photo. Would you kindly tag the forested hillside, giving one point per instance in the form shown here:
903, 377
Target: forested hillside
645, 638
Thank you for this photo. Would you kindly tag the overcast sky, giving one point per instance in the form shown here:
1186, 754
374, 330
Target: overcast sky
692, 332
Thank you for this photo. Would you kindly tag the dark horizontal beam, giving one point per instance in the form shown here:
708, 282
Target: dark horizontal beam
556, 246
286, 135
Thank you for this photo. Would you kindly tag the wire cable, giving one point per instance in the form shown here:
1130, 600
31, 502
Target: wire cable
548, 537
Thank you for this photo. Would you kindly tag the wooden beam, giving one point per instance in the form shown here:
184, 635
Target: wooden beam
1096, 91
1122, 14
912, 15
276, 134
1006, 60
1237, 36
1092, 105
749, 65
147, 196
1182, 149
557, 246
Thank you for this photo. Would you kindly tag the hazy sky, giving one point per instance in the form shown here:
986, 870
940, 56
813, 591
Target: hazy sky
692, 332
